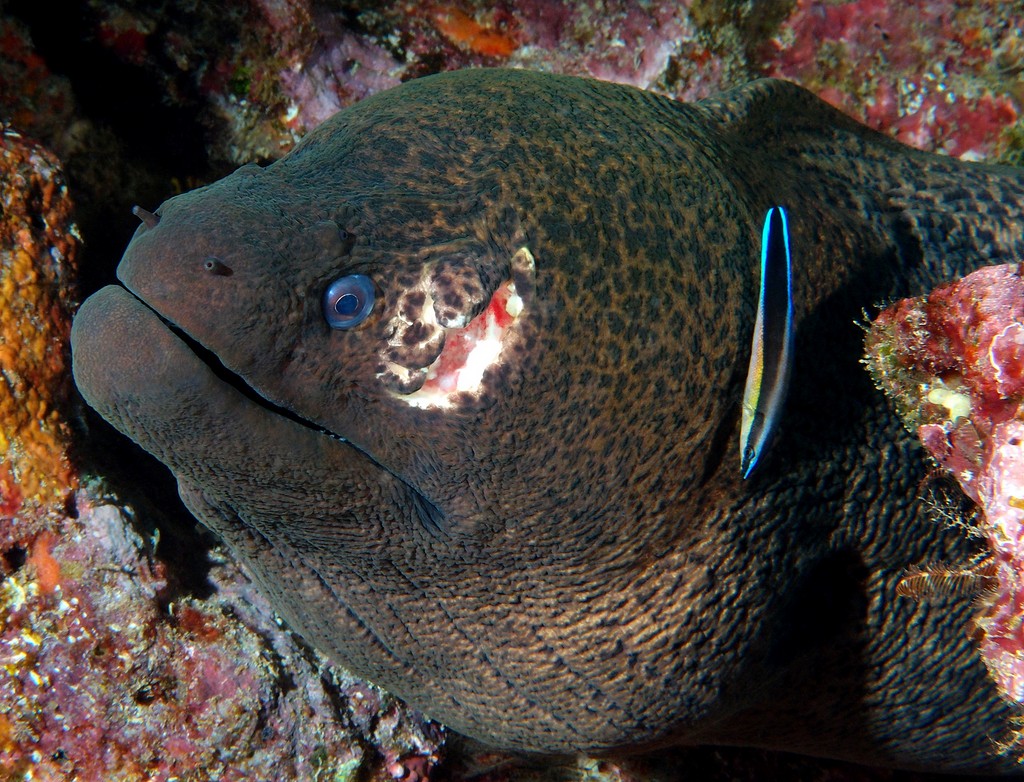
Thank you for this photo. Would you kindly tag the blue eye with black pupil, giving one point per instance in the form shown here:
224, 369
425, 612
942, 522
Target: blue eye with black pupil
348, 300
347, 305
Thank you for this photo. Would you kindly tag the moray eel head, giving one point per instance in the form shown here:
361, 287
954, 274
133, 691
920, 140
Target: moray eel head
375, 388
350, 319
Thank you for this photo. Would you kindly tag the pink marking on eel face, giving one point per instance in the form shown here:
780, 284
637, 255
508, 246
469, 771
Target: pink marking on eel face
444, 374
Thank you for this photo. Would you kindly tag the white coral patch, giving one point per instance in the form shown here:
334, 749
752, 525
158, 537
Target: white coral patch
958, 405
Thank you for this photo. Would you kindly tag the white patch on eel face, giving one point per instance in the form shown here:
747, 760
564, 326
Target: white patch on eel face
469, 350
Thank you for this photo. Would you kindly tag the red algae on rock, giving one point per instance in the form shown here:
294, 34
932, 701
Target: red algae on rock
102, 678
929, 73
953, 362
38, 246
465, 31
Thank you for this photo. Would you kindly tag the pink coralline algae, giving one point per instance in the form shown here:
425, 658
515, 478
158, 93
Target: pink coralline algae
291, 64
940, 75
105, 675
341, 63
953, 362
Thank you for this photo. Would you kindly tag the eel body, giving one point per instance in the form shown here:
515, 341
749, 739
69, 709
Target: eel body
501, 478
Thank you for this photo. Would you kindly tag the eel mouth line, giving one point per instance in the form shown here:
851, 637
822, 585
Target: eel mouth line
430, 515
236, 381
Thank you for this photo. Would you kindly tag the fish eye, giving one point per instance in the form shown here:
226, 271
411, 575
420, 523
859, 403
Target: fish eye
348, 300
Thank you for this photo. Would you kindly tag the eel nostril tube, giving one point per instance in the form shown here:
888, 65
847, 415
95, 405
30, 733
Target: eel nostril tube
216, 266
151, 220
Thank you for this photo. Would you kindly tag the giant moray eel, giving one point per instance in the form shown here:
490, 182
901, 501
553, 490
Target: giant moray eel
552, 548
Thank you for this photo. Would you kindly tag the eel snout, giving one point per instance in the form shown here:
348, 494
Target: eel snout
139, 375
125, 359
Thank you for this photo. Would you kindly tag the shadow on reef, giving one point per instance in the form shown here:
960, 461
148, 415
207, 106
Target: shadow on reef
469, 761
136, 480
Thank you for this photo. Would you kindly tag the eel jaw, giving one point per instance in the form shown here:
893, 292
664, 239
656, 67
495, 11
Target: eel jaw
429, 364
166, 397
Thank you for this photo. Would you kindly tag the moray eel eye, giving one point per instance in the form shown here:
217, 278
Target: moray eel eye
348, 300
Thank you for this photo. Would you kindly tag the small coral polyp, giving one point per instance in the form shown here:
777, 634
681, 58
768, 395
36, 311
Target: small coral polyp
953, 362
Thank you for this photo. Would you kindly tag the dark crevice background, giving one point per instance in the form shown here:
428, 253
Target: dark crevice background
140, 145
131, 147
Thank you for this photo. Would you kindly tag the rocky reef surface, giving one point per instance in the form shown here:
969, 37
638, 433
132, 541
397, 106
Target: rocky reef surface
953, 364
130, 647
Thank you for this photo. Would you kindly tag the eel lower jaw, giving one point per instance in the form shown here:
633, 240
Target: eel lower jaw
174, 397
208, 358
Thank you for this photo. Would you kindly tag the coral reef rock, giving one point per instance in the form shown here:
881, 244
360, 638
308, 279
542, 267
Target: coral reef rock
953, 363
38, 246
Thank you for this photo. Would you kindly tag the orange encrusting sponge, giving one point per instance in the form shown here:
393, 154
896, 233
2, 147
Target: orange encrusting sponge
38, 247
464, 31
